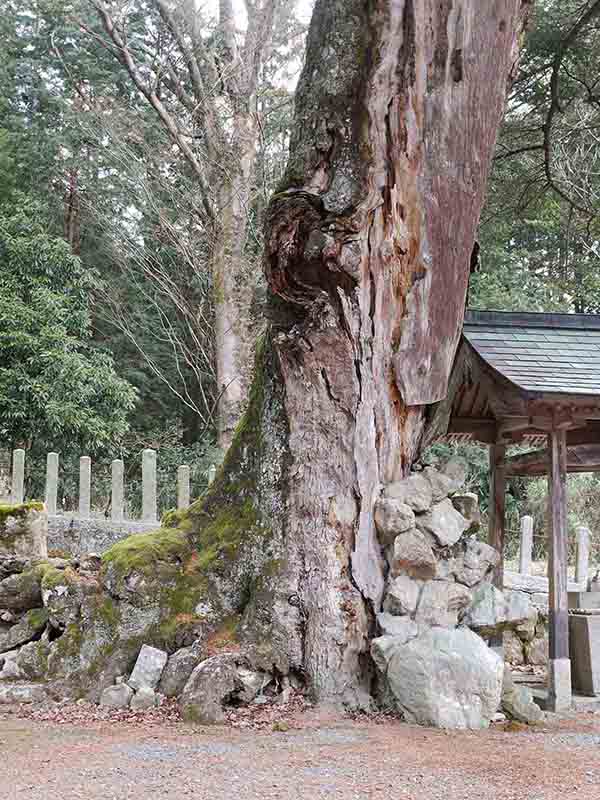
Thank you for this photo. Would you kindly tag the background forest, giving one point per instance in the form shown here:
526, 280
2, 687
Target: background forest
139, 143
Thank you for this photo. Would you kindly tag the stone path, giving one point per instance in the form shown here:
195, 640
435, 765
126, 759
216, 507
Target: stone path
326, 758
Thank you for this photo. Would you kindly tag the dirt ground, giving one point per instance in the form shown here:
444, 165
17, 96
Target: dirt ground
320, 756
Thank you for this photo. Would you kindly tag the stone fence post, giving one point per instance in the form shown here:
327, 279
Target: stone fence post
183, 487
17, 489
117, 500
583, 556
212, 472
85, 486
149, 486
526, 545
51, 482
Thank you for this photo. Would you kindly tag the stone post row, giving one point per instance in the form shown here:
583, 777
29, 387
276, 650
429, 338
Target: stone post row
85, 486
17, 489
51, 482
149, 486
526, 545
117, 501
583, 556
183, 487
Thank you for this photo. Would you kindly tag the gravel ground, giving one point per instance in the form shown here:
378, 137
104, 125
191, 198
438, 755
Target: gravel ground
320, 756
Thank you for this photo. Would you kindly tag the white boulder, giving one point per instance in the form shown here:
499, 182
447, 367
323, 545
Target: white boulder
444, 522
148, 668
447, 678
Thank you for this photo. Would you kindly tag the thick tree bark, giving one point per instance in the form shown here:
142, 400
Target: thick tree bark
368, 244
234, 341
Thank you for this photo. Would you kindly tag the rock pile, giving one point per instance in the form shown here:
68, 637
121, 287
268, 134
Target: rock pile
434, 667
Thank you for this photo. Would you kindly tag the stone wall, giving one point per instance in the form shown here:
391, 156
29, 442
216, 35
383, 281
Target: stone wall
73, 536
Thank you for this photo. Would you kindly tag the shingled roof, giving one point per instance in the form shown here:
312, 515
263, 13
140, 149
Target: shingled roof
539, 352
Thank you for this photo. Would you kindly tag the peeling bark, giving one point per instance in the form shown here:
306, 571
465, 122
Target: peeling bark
368, 243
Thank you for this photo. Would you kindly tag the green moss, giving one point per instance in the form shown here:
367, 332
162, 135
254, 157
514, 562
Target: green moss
172, 518
37, 618
69, 644
142, 551
18, 510
110, 613
53, 577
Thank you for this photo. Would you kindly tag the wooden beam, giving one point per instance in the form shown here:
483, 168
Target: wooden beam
483, 430
580, 458
559, 694
497, 522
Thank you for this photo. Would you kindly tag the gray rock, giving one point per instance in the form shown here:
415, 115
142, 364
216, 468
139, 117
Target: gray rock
382, 649
253, 683
397, 626
178, 670
9, 655
148, 668
513, 648
116, 696
22, 693
467, 504
143, 699
412, 555
441, 485
492, 610
8, 617
396, 631
526, 630
457, 470
402, 596
536, 651
414, 491
11, 672
25, 533
211, 683
444, 522
517, 701
446, 678
11, 565
441, 603
26, 629
392, 516
32, 660
478, 561
21, 591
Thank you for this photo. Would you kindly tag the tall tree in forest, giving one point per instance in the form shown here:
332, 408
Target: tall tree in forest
203, 84
546, 172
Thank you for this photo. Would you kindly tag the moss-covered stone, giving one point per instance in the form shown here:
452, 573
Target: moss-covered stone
53, 577
198, 574
18, 511
142, 551
17, 527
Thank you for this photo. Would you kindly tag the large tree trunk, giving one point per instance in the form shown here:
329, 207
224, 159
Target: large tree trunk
367, 255
367, 258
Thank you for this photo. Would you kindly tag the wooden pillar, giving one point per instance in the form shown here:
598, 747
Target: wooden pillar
497, 515
559, 677
497, 510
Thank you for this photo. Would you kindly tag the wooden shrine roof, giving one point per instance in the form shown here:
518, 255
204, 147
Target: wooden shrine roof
553, 353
